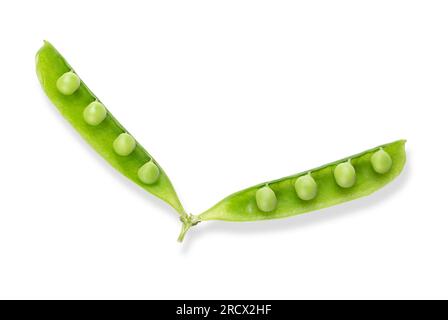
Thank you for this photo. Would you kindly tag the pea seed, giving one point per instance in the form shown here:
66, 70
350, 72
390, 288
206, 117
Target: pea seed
94, 113
345, 175
381, 161
306, 187
148, 173
124, 144
266, 199
68, 83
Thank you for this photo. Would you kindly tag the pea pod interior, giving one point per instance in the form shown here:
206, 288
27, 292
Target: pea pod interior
50, 66
242, 206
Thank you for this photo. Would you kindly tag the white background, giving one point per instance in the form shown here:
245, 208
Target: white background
225, 94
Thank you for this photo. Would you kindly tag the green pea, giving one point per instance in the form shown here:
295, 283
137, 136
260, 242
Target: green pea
345, 175
381, 161
266, 199
124, 144
148, 173
68, 83
95, 113
306, 187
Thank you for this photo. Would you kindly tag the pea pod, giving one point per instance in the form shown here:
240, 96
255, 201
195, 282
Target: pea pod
325, 186
334, 183
99, 128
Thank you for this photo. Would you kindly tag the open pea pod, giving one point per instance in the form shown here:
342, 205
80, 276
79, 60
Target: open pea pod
99, 128
340, 181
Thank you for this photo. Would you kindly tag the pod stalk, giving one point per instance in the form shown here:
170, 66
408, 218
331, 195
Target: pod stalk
188, 221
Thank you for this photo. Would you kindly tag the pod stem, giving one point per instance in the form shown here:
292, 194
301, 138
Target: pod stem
188, 221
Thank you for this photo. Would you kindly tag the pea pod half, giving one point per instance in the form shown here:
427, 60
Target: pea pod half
99, 128
340, 181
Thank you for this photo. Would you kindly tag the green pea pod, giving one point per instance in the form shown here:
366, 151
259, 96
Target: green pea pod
328, 185
99, 128
325, 186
